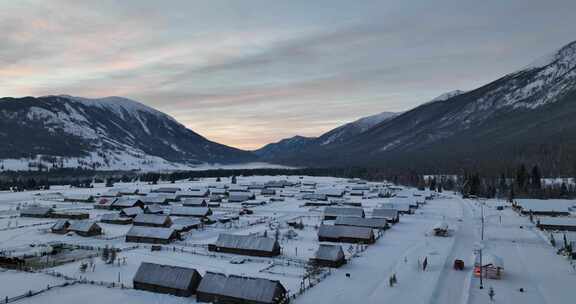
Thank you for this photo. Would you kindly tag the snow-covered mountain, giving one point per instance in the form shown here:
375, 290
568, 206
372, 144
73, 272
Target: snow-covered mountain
289, 146
526, 116
104, 133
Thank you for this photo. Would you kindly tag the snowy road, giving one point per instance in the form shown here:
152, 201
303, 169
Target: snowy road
453, 286
398, 251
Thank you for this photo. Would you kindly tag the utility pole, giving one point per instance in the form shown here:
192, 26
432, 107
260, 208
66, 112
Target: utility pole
481, 268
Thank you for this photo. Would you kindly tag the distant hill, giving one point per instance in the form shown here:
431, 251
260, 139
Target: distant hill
105, 133
526, 116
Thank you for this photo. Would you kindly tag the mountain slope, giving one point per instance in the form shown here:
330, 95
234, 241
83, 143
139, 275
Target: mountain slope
524, 116
105, 133
285, 148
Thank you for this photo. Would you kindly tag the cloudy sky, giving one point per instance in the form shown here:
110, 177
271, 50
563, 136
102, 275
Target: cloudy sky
249, 72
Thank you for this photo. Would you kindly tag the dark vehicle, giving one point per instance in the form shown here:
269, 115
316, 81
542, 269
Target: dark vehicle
458, 265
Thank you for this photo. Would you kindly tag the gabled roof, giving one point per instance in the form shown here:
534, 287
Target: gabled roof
195, 201
126, 202
60, 225
345, 232
150, 232
189, 211
151, 219
193, 193
245, 288
132, 211
384, 213
82, 226
167, 276
344, 211
329, 253
374, 223
246, 242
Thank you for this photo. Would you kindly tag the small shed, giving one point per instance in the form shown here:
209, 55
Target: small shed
329, 256
217, 288
152, 220
60, 227
151, 235
85, 228
246, 245
331, 213
346, 234
174, 280
492, 266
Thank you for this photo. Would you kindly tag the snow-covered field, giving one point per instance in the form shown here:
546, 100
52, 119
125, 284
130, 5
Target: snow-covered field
530, 262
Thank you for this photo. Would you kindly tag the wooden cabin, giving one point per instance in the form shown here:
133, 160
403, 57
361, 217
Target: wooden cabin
151, 235
217, 288
329, 256
174, 280
246, 245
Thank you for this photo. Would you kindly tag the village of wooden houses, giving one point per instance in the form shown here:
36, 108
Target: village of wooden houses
281, 239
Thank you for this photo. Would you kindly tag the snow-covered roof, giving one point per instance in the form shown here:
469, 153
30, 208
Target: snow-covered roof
112, 217
344, 211
60, 225
331, 191
132, 211
315, 196
193, 193
329, 253
557, 221
189, 211
150, 232
237, 188
345, 231
166, 276
166, 190
82, 226
183, 222
36, 210
151, 219
155, 199
374, 223
545, 205
384, 213
240, 196
195, 202
256, 290
125, 202
246, 242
